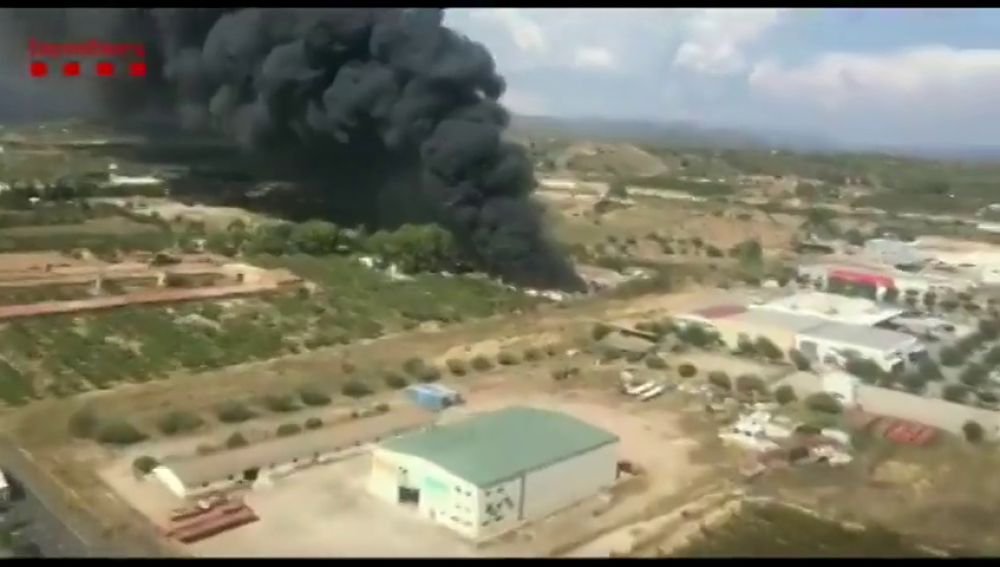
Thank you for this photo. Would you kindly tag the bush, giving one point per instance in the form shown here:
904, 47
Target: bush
313, 397
286, 429
413, 366
429, 374
236, 440
144, 464
973, 431
785, 394
599, 331
868, 370
799, 360
481, 363
768, 349
382, 408
83, 424
750, 383
456, 366
506, 358
915, 383
395, 381
179, 422
314, 423
955, 393
989, 329
973, 375
280, 403
746, 347
234, 412
656, 363
551, 350
355, 389
687, 370
120, 432
952, 357
823, 402
720, 379
533, 354
560, 374
930, 370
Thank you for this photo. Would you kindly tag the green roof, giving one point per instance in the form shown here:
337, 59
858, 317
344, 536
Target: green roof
492, 447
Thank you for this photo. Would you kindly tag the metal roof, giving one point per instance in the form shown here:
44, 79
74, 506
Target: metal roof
493, 447
197, 470
780, 319
857, 335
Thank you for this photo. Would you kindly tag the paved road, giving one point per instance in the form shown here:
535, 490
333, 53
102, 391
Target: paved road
53, 527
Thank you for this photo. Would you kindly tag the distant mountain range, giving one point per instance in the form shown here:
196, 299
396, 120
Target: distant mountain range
689, 134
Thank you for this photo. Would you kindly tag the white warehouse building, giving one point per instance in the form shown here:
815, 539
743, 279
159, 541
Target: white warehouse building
491, 472
835, 343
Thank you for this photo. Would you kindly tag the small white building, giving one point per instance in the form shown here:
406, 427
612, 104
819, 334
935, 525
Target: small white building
491, 472
191, 477
834, 343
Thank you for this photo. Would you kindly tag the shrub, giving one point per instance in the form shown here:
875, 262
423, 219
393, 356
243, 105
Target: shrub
314, 423
750, 383
533, 354
766, 347
83, 424
952, 357
973, 431
481, 363
429, 374
280, 403
395, 381
799, 360
179, 422
915, 383
286, 429
144, 464
988, 397
687, 370
746, 347
599, 331
348, 367
236, 440
955, 393
656, 363
313, 397
506, 358
973, 375
355, 389
413, 366
382, 408
119, 432
456, 366
551, 350
234, 412
868, 370
785, 394
720, 379
989, 328
930, 370
823, 402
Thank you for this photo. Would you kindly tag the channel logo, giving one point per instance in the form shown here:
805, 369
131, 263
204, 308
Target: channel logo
94, 58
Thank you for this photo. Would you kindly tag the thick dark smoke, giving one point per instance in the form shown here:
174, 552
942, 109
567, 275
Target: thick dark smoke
388, 115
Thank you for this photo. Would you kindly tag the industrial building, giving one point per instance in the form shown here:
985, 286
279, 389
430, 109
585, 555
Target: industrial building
832, 307
260, 462
835, 343
491, 472
735, 328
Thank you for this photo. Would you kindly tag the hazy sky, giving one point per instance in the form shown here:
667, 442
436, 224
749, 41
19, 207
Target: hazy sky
887, 76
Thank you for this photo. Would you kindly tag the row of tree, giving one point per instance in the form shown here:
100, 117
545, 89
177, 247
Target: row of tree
412, 248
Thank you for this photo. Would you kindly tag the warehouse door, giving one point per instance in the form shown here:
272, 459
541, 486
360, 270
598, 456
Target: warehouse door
409, 495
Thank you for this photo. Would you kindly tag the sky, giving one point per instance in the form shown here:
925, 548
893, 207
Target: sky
916, 76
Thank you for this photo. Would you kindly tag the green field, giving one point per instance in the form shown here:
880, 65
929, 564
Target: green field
62, 355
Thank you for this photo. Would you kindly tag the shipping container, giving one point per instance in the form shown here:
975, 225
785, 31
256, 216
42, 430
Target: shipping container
432, 397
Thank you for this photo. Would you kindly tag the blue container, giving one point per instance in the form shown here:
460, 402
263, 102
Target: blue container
427, 398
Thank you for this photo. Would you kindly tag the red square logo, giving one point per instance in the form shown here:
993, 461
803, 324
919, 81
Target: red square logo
39, 68
105, 69
71, 69
137, 68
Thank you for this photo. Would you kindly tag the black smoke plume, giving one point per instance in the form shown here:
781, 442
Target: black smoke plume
386, 115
